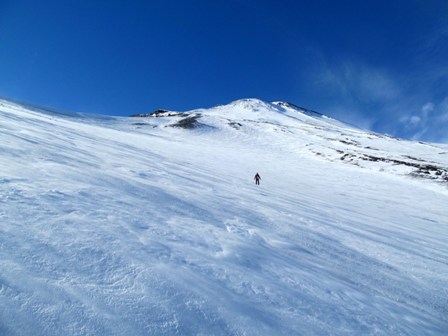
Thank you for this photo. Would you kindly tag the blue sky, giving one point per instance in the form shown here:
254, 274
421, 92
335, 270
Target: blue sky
381, 65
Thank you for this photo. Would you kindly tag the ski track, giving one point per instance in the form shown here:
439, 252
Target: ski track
111, 229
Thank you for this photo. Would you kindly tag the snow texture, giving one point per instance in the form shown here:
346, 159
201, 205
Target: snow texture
125, 226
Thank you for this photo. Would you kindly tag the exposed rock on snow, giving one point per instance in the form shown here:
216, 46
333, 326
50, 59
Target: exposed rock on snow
158, 113
190, 122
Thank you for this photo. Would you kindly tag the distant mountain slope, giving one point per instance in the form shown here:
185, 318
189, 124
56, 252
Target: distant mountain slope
154, 226
325, 137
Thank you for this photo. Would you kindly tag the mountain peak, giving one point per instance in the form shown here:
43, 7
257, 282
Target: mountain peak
252, 104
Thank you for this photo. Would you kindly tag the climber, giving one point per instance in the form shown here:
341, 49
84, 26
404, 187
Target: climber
257, 178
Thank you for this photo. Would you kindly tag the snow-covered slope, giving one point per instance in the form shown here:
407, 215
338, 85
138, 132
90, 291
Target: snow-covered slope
153, 226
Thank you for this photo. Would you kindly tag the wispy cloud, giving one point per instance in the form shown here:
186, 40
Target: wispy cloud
374, 98
356, 93
353, 117
427, 122
359, 82
435, 44
431, 123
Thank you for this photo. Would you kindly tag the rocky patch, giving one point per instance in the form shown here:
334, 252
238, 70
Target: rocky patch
159, 113
421, 168
235, 125
142, 124
190, 122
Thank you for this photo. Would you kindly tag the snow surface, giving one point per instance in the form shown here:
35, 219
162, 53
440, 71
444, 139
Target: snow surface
126, 226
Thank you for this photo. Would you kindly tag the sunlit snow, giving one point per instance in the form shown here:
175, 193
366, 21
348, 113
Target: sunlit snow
127, 226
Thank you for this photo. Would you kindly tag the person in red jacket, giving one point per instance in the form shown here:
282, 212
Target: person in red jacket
257, 178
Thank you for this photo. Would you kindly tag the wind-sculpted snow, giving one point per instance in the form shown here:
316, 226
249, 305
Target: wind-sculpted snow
108, 227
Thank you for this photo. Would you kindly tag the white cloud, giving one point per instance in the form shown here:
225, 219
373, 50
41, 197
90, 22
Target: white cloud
412, 121
429, 124
427, 108
415, 120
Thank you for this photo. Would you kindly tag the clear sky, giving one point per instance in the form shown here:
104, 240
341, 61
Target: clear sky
378, 64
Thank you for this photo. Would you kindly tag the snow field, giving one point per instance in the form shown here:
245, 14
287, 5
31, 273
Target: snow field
111, 229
